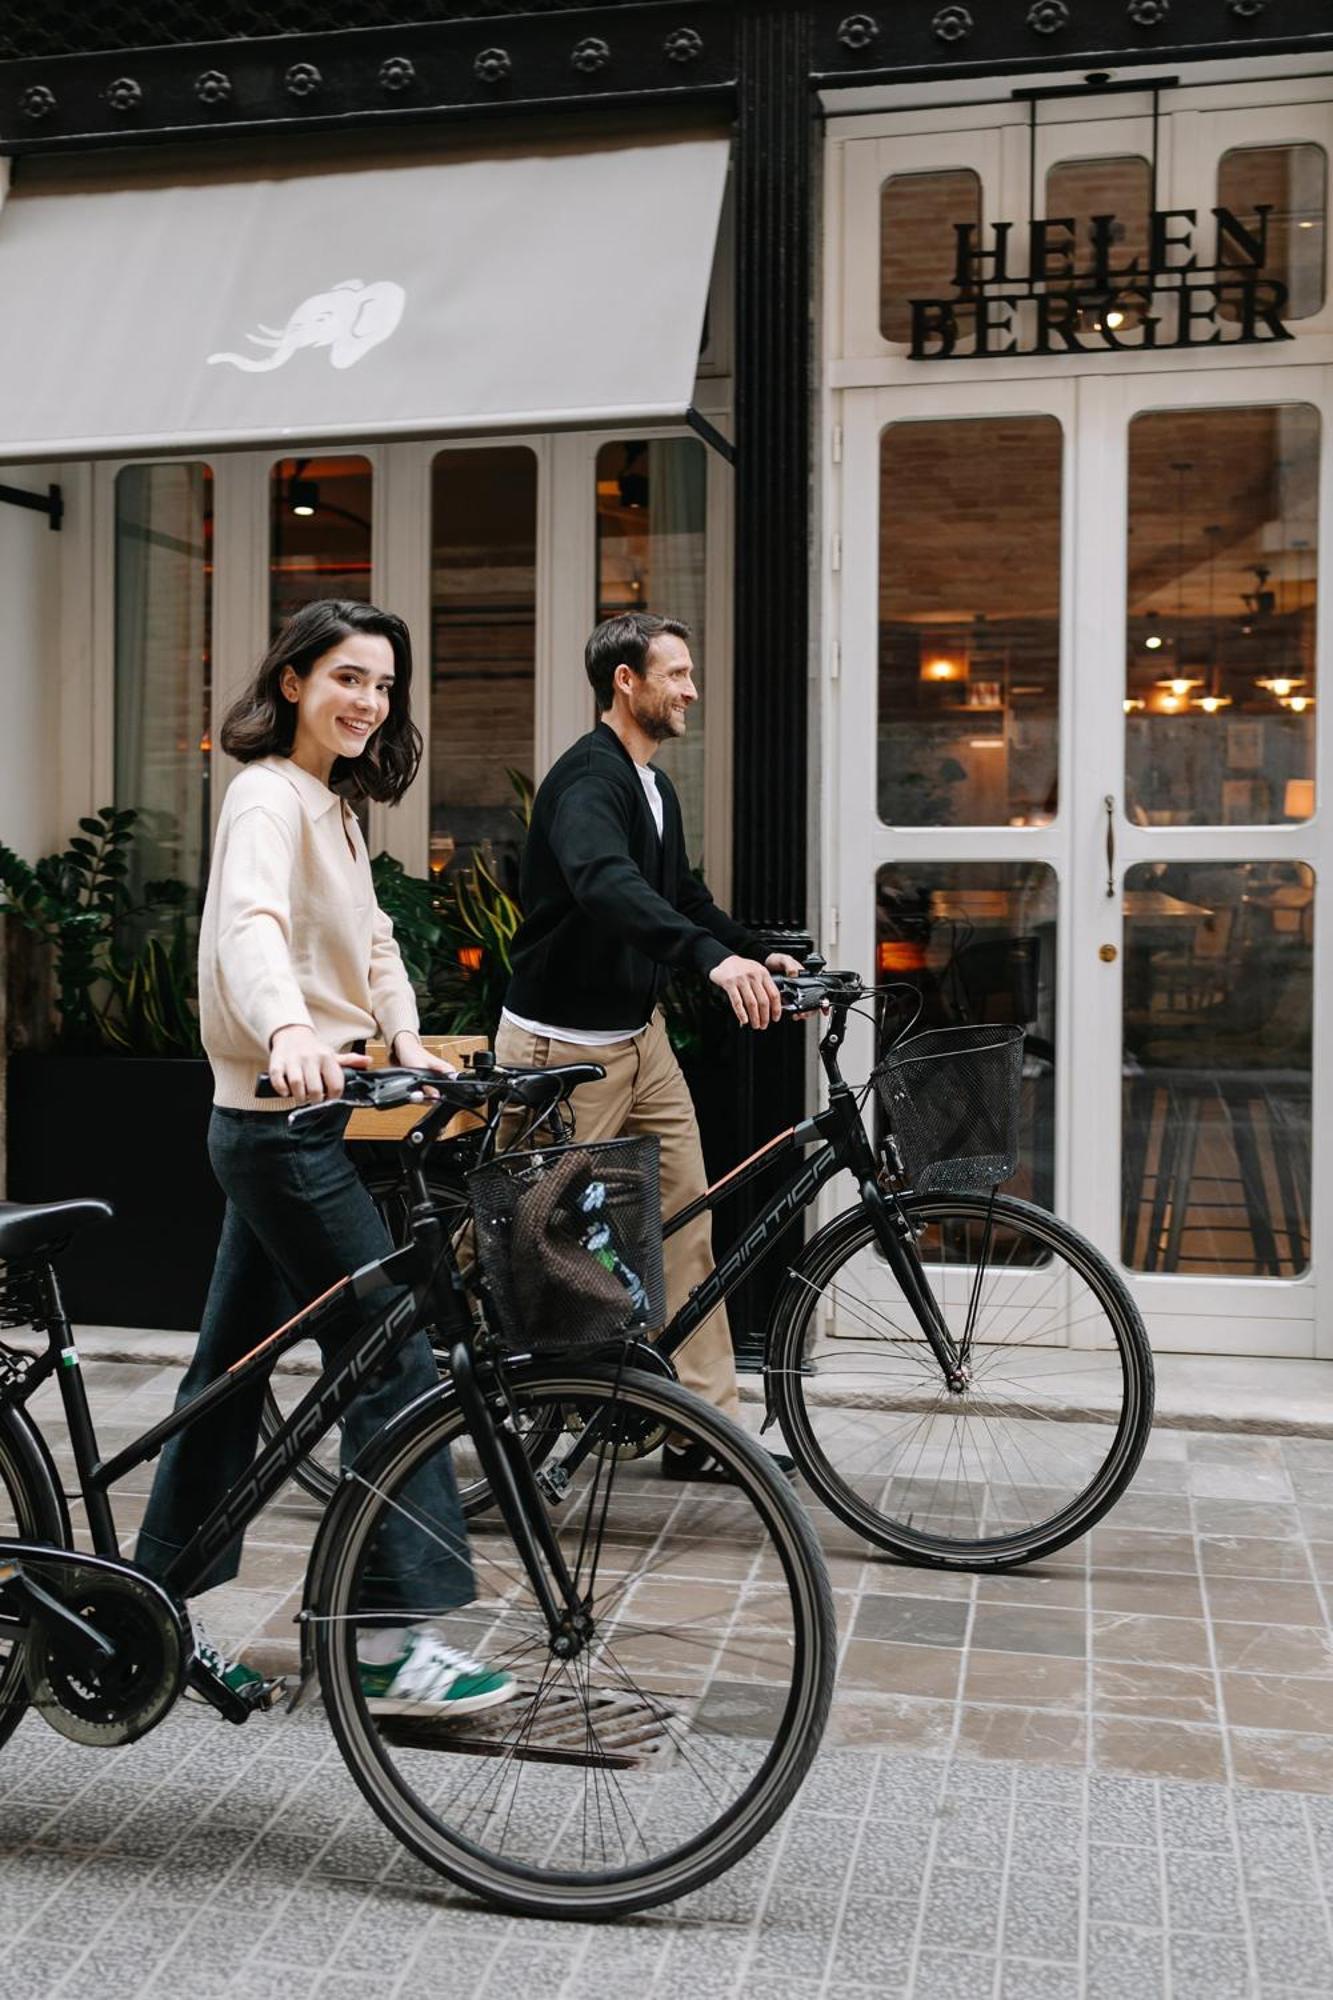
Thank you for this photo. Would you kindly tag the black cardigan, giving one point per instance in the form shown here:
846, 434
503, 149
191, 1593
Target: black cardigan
610, 910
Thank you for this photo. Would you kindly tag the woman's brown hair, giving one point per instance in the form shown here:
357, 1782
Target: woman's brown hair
262, 722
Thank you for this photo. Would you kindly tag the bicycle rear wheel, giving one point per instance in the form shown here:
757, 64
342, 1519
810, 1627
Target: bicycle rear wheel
667, 1745
29, 1512
1046, 1432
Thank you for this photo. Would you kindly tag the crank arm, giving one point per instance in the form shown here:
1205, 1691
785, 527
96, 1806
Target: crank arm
47, 1608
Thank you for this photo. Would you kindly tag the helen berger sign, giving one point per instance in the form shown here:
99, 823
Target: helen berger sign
1074, 289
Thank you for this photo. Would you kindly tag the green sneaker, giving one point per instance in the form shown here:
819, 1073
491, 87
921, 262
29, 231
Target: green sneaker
429, 1678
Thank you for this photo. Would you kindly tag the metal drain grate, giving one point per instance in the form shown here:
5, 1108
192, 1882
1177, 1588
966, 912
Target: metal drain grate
603, 1728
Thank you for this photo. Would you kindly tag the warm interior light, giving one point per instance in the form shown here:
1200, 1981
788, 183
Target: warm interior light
1170, 702
1279, 684
1210, 703
1132, 702
942, 669
1114, 319
470, 957
1153, 641
1298, 798
1297, 703
901, 955
1305, 225
985, 743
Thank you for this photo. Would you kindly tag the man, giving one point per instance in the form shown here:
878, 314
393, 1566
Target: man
612, 910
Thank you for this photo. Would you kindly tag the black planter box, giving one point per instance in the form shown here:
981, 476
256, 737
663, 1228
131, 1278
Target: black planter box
134, 1131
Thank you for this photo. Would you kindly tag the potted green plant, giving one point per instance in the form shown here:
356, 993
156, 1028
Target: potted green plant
107, 1090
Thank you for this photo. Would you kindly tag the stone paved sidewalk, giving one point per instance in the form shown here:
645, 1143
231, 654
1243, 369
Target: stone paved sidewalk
1110, 1777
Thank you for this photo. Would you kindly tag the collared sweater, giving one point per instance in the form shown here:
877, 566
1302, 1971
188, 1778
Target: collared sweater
291, 934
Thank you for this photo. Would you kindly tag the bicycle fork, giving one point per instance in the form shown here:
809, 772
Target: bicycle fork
519, 1500
895, 1237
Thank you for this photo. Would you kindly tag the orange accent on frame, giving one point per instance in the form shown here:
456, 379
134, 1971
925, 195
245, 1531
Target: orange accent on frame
287, 1325
776, 1140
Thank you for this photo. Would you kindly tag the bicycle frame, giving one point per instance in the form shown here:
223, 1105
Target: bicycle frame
846, 1144
428, 1267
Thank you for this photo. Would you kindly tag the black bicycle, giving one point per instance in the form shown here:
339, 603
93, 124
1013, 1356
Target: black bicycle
961, 1377
673, 1647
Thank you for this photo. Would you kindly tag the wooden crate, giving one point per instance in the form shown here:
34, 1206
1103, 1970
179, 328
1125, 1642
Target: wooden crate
389, 1125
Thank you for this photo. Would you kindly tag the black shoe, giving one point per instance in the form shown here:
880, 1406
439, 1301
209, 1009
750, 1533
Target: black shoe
696, 1462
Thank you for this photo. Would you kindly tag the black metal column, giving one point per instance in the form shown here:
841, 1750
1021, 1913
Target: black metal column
774, 361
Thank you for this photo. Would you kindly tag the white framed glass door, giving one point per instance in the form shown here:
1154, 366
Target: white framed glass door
1197, 854
1079, 644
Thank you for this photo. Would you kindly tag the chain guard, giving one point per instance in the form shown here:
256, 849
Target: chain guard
83, 1695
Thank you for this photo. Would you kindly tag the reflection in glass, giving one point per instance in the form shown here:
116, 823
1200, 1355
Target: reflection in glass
977, 941
1122, 187
1220, 671
918, 213
651, 520
1292, 181
164, 618
1215, 1156
319, 533
483, 650
969, 622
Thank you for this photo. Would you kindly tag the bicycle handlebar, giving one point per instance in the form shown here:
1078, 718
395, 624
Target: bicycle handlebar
813, 991
470, 1090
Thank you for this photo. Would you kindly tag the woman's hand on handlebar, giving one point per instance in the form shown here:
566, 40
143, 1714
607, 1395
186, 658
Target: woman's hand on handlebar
410, 1052
304, 1068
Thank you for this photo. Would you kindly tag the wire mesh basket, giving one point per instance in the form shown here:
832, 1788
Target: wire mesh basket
952, 1099
569, 1242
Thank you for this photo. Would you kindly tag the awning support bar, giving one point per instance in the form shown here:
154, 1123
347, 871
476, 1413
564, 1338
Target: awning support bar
51, 503
711, 435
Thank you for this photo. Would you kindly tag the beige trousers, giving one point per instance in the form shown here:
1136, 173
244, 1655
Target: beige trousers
643, 1094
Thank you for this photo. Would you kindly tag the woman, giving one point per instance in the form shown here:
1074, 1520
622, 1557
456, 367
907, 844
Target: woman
297, 967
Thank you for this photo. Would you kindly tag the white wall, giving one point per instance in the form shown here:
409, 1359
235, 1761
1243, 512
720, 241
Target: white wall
33, 570
29, 670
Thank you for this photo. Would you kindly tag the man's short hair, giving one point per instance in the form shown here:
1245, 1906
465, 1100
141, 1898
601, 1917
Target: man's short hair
625, 640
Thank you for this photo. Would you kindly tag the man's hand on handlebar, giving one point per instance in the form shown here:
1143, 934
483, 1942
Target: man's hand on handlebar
304, 1068
755, 1000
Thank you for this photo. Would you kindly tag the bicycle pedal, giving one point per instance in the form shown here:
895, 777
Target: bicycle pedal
232, 1704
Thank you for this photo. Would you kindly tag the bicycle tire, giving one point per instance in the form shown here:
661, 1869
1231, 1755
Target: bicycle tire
783, 1668
30, 1511
883, 1441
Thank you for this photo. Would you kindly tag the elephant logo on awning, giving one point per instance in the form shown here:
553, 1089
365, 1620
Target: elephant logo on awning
349, 321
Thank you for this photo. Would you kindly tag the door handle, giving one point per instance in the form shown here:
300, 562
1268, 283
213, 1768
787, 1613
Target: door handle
1110, 844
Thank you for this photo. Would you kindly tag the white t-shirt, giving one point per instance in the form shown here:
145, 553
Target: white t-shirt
595, 1038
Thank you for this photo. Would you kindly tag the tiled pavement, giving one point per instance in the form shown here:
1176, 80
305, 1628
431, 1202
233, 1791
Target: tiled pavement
1112, 1776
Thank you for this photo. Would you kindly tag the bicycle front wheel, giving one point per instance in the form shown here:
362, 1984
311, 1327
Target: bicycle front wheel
1040, 1438
655, 1754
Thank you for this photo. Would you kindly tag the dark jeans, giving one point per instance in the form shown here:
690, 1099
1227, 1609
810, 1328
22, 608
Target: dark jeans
297, 1219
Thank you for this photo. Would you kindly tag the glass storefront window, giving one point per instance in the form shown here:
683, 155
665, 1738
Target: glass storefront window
1292, 182
1216, 1097
483, 650
969, 622
917, 243
977, 940
652, 512
319, 533
164, 639
1220, 678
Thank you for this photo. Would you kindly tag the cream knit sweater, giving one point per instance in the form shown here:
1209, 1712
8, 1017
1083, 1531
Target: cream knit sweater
291, 932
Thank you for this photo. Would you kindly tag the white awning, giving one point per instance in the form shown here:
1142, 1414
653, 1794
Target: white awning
410, 296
